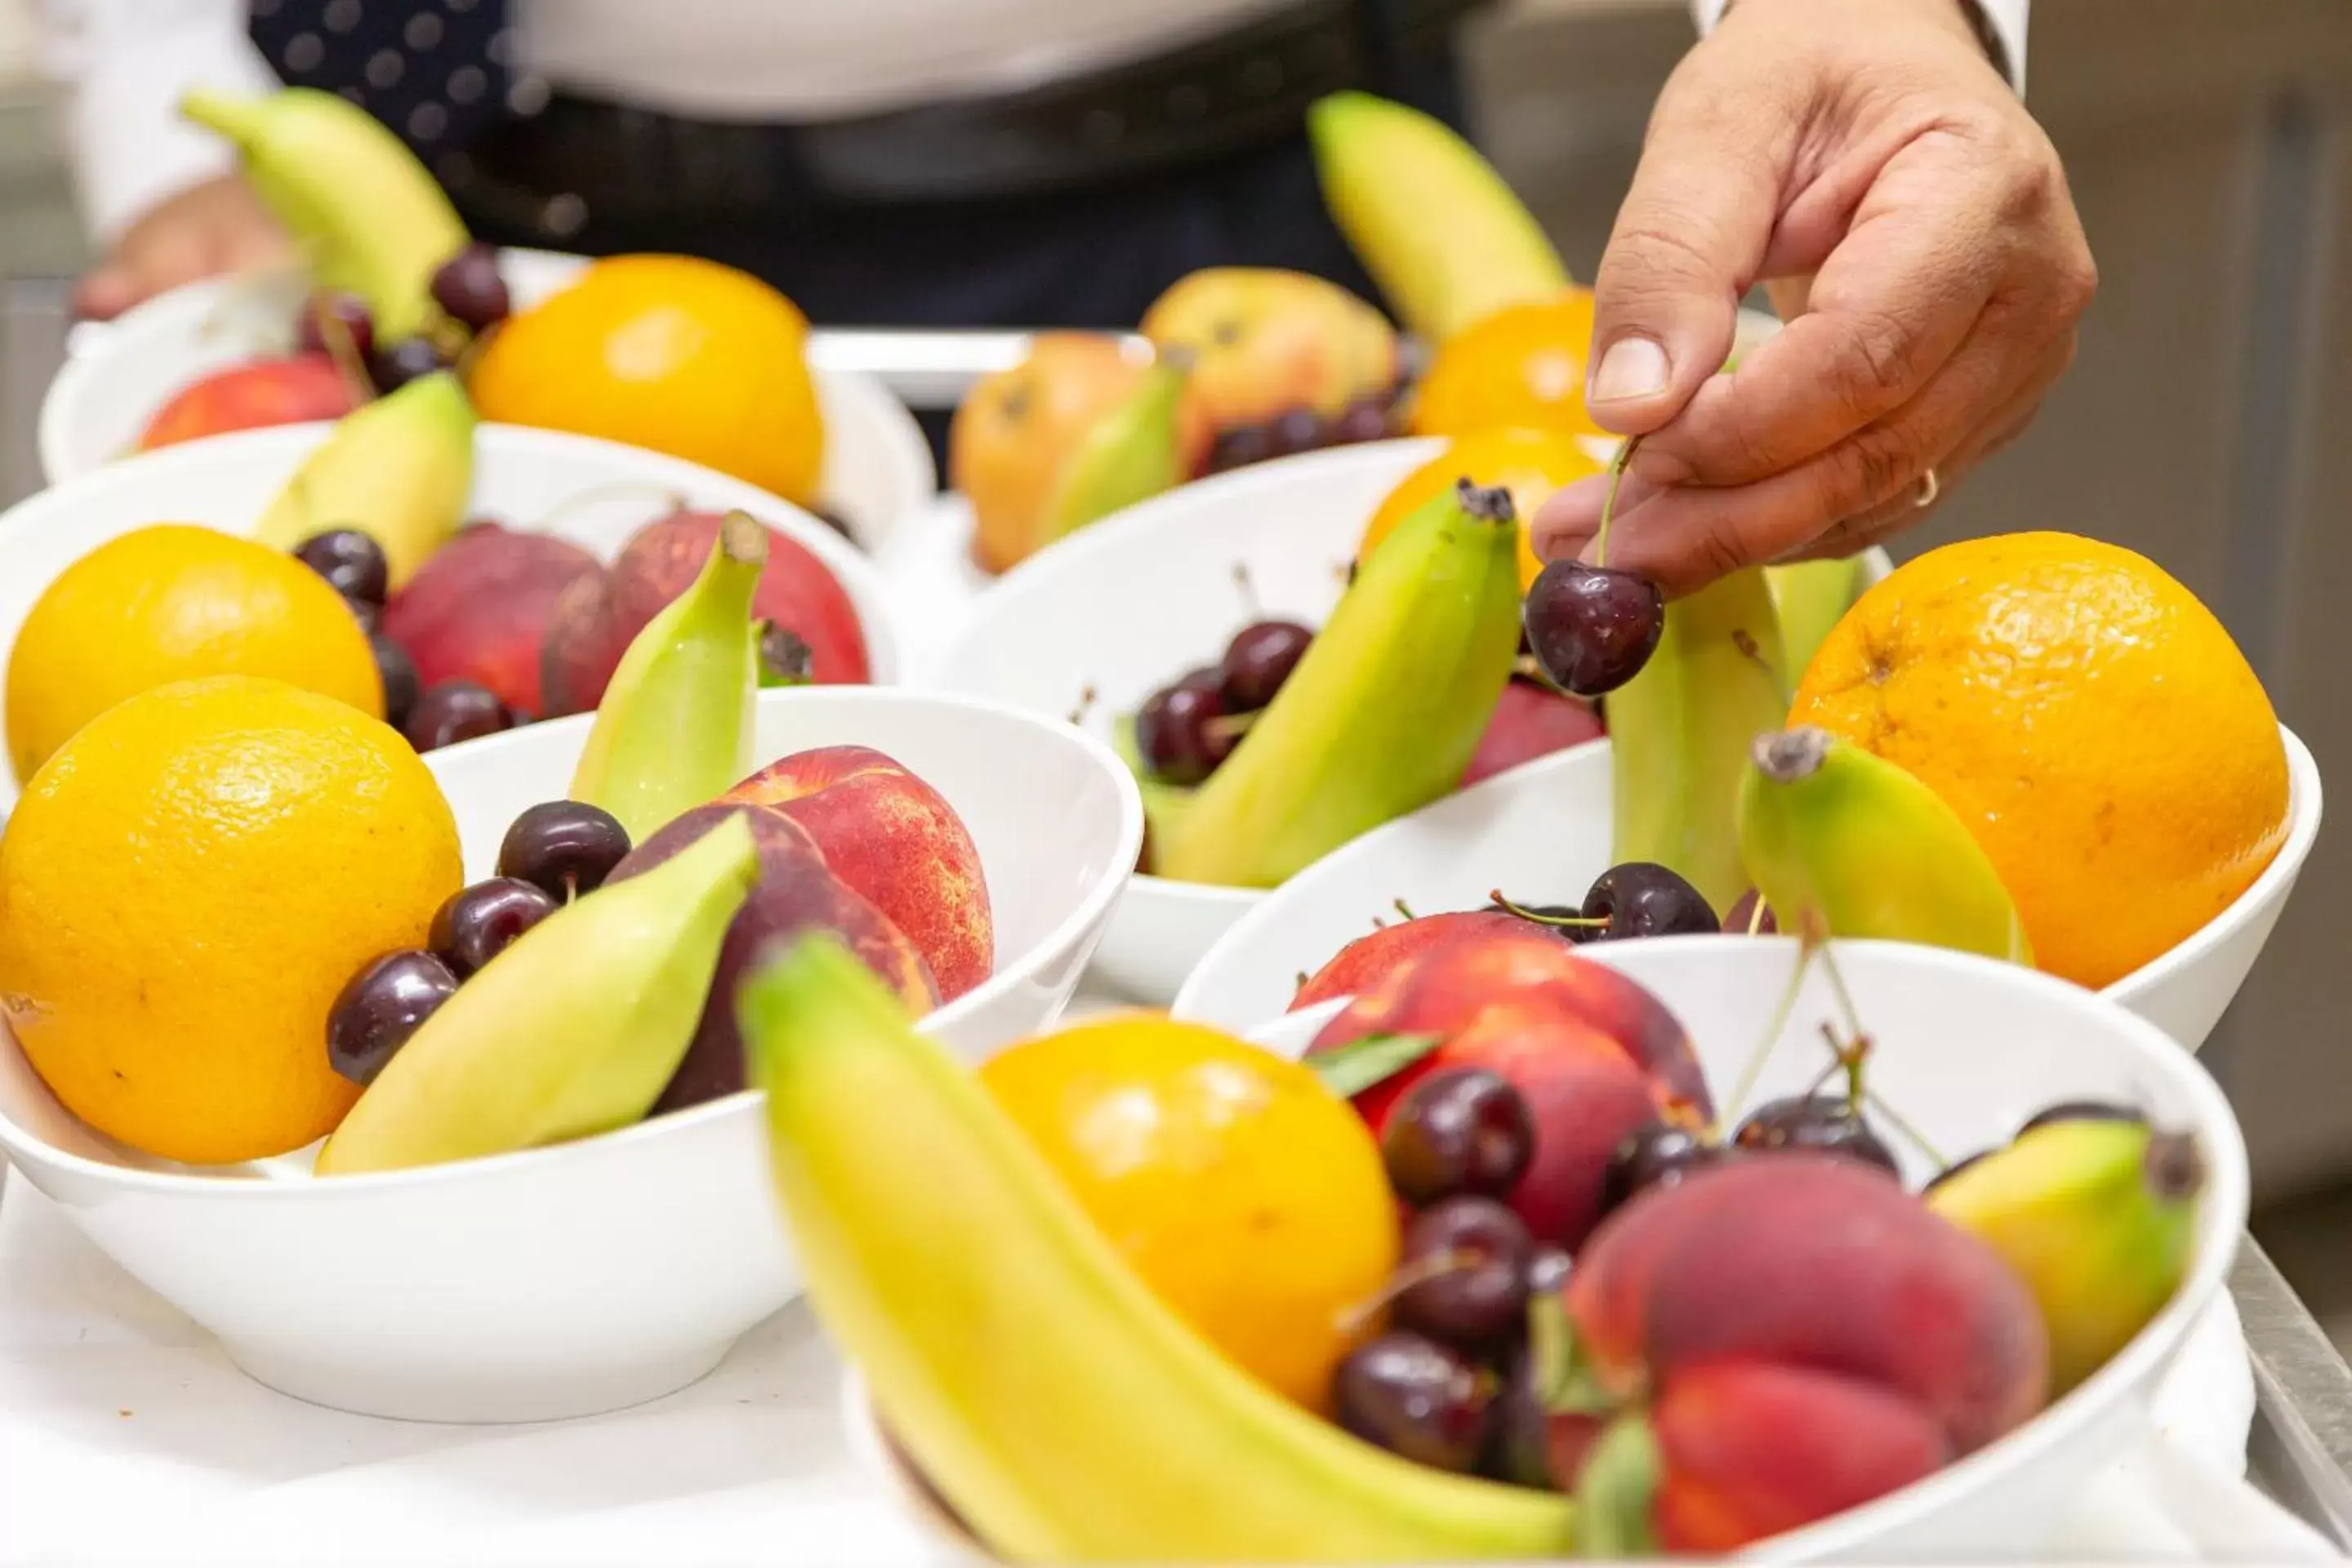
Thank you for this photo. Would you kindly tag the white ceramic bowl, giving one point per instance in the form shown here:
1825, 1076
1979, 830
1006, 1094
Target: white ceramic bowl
594, 493
1966, 1048
1540, 832
580, 1279
877, 466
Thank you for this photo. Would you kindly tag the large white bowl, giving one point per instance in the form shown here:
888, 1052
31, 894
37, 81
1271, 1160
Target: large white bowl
594, 493
877, 466
580, 1279
1966, 1048
1540, 833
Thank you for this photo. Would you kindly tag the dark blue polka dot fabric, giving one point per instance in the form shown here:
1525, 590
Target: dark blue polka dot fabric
434, 70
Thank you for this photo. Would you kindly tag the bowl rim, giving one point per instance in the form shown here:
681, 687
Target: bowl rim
26, 1146
2137, 1366
860, 577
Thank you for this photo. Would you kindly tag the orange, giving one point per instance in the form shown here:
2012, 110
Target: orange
172, 602
1530, 464
2091, 721
1522, 366
184, 888
669, 353
1248, 1195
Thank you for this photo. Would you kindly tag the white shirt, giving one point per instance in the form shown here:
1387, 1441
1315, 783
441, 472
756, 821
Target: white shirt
127, 62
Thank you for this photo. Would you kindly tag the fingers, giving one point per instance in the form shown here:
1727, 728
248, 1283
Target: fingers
105, 292
1688, 240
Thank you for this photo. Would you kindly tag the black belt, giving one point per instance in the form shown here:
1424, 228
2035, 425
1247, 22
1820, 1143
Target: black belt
578, 159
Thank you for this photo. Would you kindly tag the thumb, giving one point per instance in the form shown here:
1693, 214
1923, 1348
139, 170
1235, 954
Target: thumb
105, 292
1690, 238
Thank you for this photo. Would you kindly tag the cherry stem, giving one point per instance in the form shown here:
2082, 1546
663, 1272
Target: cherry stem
1403, 909
1230, 726
1434, 1266
1247, 592
1566, 923
1806, 947
1756, 916
1609, 502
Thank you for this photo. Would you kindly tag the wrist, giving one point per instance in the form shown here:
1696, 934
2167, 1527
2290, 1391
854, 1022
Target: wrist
1966, 19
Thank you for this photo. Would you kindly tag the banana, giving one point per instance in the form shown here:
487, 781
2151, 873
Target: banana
674, 729
2097, 1217
1437, 228
398, 468
1164, 804
1061, 1408
1811, 598
573, 1030
1383, 712
1849, 843
1130, 454
1679, 733
370, 218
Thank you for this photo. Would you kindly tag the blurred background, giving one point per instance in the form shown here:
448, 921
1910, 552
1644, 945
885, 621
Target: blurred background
2207, 423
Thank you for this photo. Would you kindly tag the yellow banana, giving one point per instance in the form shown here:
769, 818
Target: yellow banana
1383, 712
1130, 454
1066, 1413
1811, 596
398, 469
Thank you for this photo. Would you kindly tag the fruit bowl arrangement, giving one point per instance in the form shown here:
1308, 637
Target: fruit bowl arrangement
463, 1252
2036, 1195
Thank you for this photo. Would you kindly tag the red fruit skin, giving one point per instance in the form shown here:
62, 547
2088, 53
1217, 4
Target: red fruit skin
1749, 1450
895, 841
1362, 964
1530, 721
1814, 1261
480, 607
248, 396
796, 591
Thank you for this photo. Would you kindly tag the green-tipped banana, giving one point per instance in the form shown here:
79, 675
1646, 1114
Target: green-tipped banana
574, 1030
398, 469
1066, 1413
1848, 844
1811, 598
2099, 1219
1383, 712
1164, 804
1437, 228
674, 729
1130, 454
1679, 733
369, 218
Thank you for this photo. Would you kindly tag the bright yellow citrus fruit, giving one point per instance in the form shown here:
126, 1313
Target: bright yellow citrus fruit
1530, 464
172, 603
1248, 1195
1523, 365
2094, 726
184, 888
669, 353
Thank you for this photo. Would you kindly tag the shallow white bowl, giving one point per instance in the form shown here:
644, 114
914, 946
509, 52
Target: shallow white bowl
1540, 832
594, 493
877, 466
1966, 1048
580, 1279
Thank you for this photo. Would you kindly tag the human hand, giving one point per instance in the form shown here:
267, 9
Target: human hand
217, 226
1866, 156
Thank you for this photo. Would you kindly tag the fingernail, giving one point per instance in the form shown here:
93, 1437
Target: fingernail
1634, 367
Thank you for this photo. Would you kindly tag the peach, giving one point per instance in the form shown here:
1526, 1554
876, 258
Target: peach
1364, 963
895, 841
794, 892
287, 390
479, 608
1810, 1261
1264, 342
1530, 721
592, 627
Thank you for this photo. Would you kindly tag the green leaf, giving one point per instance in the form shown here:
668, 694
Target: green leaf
1615, 1492
1356, 1065
1566, 1380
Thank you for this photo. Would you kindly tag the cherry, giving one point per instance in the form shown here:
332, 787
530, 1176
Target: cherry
1415, 1398
454, 711
474, 924
338, 324
1240, 446
1656, 1155
1178, 731
1259, 659
469, 288
398, 672
1592, 627
1459, 1130
405, 361
1741, 918
352, 562
380, 1008
1296, 430
1827, 1123
565, 848
1471, 1255
1366, 419
1639, 899
2081, 1111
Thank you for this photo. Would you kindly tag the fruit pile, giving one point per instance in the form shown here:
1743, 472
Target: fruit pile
1563, 1313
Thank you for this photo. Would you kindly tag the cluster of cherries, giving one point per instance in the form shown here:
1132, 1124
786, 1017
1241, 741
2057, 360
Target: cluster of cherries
552, 854
1185, 730
353, 564
1296, 430
470, 293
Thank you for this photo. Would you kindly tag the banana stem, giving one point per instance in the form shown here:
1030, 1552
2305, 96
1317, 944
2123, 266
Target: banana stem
1609, 502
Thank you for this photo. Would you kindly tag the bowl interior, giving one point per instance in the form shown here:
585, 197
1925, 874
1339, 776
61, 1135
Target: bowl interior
594, 493
1541, 833
878, 469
